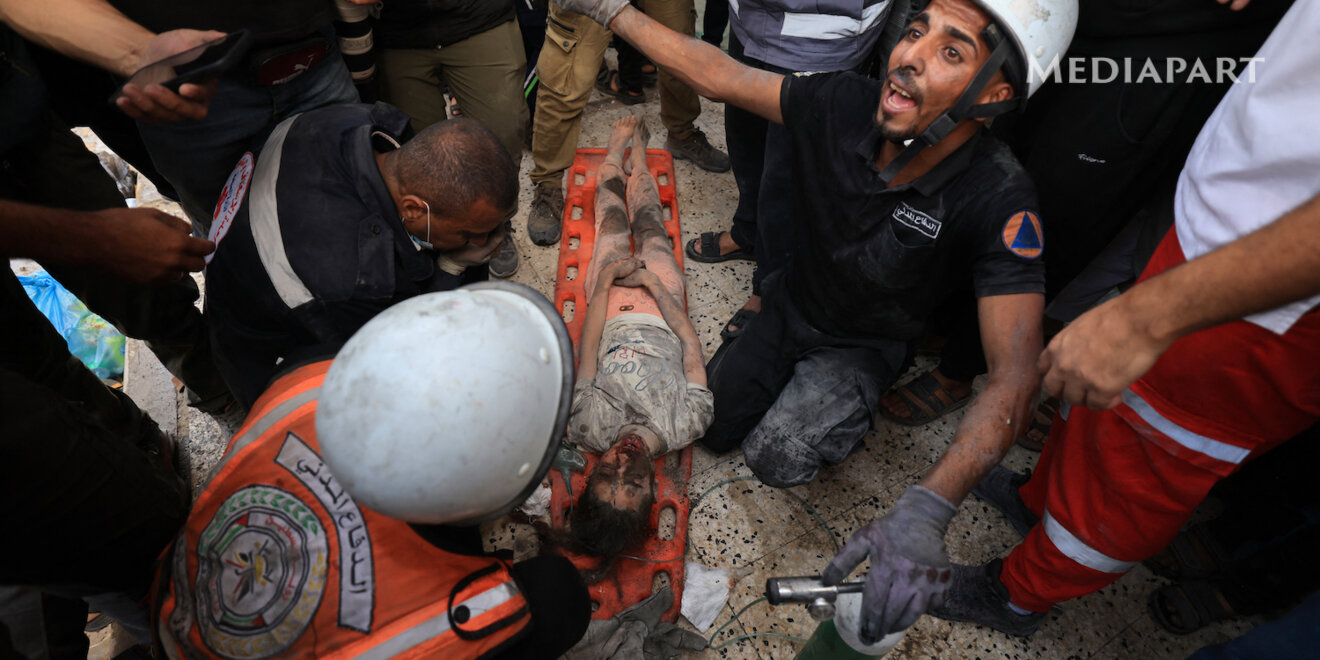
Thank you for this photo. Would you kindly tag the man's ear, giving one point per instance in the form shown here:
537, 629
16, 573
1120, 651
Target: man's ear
995, 91
413, 210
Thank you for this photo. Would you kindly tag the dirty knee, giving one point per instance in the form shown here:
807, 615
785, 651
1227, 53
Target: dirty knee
648, 225
612, 182
613, 219
780, 463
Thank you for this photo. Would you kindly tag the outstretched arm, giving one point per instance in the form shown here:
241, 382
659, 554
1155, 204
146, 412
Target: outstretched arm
143, 245
89, 30
1011, 337
1108, 348
702, 66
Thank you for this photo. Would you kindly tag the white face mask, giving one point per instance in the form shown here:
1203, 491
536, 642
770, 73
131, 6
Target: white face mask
424, 244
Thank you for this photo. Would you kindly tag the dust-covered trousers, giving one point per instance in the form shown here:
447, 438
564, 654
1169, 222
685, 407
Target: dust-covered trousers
572, 55
793, 396
1114, 487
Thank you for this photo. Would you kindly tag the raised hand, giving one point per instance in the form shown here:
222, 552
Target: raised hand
156, 103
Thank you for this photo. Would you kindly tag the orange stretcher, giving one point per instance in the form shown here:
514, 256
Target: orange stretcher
630, 580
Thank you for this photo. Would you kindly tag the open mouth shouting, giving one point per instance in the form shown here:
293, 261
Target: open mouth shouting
898, 98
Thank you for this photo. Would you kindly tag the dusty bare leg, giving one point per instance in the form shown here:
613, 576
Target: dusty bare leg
648, 227
611, 213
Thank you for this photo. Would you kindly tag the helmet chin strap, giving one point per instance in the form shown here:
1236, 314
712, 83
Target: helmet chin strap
964, 107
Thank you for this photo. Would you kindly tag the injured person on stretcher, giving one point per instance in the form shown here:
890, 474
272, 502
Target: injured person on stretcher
641, 385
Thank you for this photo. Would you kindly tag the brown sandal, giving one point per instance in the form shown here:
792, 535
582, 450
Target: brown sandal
926, 399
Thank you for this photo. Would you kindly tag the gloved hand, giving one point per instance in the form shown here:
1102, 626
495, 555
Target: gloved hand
456, 261
909, 565
601, 11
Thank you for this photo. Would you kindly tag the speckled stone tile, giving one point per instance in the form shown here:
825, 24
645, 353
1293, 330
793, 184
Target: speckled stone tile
703, 459
1145, 638
739, 519
887, 459
979, 533
811, 549
734, 278
505, 534
708, 321
1082, 626
728, 643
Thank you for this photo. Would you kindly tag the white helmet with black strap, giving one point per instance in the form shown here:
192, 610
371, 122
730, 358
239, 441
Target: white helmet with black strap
1021, 33
448, 408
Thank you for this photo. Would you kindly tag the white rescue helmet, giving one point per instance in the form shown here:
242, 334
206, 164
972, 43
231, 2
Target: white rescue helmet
1040, 31
447, 408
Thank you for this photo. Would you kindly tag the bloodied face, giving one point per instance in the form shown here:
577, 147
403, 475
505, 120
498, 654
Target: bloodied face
615, 511
625, 476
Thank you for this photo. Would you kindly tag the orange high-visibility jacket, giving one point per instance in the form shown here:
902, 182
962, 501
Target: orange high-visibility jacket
277, 560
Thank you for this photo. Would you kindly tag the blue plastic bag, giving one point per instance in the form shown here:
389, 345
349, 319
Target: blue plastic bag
94, 341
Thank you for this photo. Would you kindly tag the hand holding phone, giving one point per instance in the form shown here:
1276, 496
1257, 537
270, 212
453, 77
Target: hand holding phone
181, 77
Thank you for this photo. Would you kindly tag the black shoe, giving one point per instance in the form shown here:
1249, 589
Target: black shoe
976, 595
505, 262
547, 215
698, 149
999, 489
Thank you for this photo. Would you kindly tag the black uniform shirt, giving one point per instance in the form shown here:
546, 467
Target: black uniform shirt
315, 248
875, 261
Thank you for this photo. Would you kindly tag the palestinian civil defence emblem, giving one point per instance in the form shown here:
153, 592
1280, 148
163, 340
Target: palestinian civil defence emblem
1023, 235
261, 573
231, 198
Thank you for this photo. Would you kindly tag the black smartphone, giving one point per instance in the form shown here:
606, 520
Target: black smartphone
195, 65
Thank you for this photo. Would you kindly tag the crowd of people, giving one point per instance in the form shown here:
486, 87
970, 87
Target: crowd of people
1132, 264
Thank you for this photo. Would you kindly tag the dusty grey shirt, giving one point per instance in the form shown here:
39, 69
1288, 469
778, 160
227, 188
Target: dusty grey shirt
639, 380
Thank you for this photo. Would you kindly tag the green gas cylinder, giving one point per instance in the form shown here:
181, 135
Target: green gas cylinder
836, 638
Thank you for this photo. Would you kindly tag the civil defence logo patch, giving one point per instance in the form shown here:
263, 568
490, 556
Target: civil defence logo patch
1023, 236
261, 573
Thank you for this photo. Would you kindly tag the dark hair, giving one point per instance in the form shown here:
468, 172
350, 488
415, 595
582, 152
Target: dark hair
599, 529
456, 163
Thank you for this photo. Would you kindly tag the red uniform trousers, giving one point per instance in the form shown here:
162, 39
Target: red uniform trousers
1114, 487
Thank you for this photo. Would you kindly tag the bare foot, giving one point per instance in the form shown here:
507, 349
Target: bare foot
640, 137
620, 134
